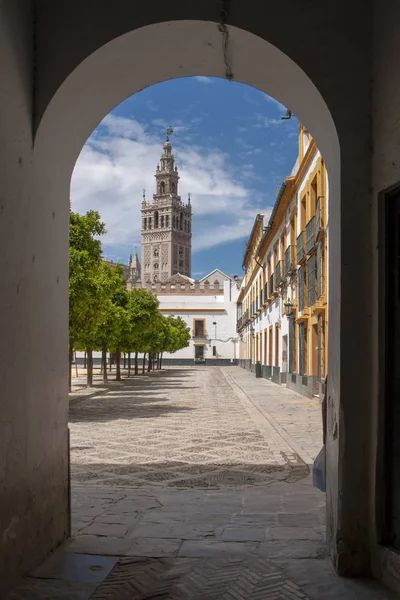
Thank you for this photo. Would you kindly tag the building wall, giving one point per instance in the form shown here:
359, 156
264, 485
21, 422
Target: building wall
220, 309
270, 343
385, 174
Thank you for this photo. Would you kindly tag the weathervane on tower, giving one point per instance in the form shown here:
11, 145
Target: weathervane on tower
169, 131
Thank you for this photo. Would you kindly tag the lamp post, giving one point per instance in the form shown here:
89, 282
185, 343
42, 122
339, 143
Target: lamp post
215, 329
288, 308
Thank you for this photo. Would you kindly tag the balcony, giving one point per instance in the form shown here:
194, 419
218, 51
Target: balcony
272, 284
289, 263
300, 245
199, 334
310, 235
278, 273
319, 218
301, 288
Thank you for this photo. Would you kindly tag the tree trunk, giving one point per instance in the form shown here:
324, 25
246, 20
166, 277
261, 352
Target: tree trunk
144, 362
118, 361
71, 356
89, 367
124, 360
84, 360
136, 363
110, 362
104, 363
161, 360
129, 364
149, 362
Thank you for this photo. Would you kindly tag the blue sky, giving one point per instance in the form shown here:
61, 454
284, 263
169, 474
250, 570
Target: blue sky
232, 150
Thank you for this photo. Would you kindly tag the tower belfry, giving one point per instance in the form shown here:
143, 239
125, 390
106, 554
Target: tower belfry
166, 224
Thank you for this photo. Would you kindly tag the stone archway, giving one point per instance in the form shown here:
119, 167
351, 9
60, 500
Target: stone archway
73, 96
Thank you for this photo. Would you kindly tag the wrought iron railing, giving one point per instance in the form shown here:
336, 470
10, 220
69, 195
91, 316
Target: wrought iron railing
300, 290
271, 284
311, 280
300, 246
319, 217
278, 273
289, 260
310, 235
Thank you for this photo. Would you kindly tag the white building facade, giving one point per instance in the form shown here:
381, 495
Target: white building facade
209, 310
282, 307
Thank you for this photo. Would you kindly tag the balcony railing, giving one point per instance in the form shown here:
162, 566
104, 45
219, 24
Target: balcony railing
289, 260
271, 284
278, 273
301, 287
311, 279
320, 217
310, 235
301, 247
200, 333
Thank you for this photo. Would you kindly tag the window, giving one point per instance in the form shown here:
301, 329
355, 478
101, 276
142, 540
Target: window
199, 326
162, 220
156, 252
181, 221
302, 349
173, 187
149, 222
199, 353
312, 279
156, 219
214, 350
180, 251
144, 223
155, 266
276, 346
166, 220
162, 187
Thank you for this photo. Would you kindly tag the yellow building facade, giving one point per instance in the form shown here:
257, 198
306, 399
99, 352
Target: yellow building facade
282, 308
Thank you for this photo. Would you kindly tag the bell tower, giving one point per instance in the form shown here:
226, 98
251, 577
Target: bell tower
166, 224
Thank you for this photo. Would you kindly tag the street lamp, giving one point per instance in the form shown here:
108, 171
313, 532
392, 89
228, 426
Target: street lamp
215, 326
288, 308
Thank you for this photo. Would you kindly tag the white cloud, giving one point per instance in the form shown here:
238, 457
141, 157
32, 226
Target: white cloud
202, 79
276, 103
119, 160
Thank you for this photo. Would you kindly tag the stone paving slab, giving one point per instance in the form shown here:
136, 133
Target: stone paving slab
199, 476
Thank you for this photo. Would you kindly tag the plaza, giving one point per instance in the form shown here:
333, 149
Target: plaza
193, 482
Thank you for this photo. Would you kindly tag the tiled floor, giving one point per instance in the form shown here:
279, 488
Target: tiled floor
194, 483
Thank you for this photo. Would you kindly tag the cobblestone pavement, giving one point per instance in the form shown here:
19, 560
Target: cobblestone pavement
179, 428
194, 483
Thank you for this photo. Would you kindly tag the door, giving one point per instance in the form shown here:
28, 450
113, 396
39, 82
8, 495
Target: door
390, 296
199, 353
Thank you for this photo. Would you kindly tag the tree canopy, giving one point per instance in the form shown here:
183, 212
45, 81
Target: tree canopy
103, 314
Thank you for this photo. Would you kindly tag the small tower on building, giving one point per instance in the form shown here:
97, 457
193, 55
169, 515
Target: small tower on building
166, 224
133, 271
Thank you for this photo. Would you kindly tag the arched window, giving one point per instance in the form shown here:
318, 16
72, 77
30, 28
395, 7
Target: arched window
156, 220
173, 221
162, 187
156, 252
166, 220
173, 187
144, 223
162, 220
181, 221
149, 222
155, 266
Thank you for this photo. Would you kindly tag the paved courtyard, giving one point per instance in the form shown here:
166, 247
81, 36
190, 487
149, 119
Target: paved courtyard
193, 483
